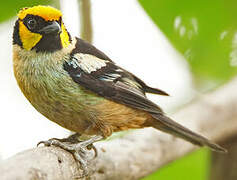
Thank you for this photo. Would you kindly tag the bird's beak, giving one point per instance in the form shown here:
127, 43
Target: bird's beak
53, 28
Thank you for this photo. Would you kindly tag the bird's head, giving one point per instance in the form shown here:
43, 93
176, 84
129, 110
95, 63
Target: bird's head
40, 28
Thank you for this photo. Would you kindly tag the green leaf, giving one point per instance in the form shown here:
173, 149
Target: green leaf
204, 31
10, 8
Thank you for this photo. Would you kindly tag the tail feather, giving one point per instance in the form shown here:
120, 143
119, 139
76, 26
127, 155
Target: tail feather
167, 125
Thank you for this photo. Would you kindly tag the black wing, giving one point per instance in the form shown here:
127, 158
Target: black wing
149, 89
86, 48
108, 80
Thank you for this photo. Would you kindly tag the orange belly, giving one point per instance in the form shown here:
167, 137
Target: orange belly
117, 117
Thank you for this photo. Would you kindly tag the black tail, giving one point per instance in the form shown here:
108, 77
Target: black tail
167, 125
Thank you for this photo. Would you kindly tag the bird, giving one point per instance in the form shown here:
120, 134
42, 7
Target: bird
80, 88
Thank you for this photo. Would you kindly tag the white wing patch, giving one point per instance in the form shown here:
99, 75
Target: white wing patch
89, 63
109, 77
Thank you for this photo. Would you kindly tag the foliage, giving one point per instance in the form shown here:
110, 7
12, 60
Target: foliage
203, 31
10, 8
192, 167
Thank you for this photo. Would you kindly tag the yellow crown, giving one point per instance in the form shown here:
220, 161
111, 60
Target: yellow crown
47, 12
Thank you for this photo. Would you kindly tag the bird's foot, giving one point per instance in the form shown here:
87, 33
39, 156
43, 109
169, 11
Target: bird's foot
79, 149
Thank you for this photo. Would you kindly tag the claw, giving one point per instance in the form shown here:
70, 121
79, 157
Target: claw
78, 149
94, 149
46, 143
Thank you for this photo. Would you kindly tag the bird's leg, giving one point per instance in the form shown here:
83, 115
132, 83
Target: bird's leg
78, 148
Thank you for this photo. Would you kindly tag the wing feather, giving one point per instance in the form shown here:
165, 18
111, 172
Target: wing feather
108, 80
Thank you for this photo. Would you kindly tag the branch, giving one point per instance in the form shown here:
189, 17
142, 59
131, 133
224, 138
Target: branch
138, 153
85, 17
224, 167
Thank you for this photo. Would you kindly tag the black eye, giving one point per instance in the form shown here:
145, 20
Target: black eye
31, 23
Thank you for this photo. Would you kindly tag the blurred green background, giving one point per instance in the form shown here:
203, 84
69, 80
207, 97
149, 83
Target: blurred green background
9, 9
204, 32
194, 166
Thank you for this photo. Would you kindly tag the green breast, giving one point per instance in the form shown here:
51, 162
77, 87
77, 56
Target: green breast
50, 89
